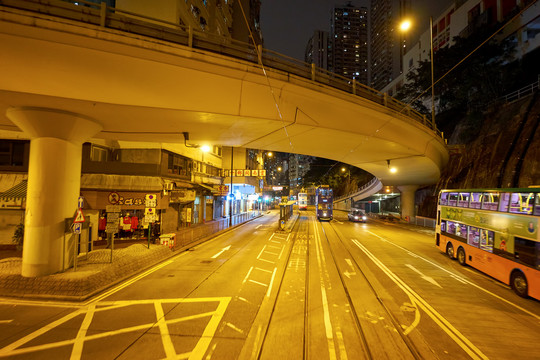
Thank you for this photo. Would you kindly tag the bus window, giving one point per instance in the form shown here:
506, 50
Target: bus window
461, 230
476, 200
525, 251
443, 199
486, 240
443, 226
453, 199
451, 227
490, 201
537, 205
505, 200
463, 199
474, 236
521, 203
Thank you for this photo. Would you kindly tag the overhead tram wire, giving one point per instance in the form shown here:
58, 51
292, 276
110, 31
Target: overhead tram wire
259, 55
472, 52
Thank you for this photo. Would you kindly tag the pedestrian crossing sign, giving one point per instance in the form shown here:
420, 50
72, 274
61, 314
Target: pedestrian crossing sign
79, 217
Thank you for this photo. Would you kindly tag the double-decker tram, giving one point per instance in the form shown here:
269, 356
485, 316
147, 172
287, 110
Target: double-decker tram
324, 200
302, 201
494, 231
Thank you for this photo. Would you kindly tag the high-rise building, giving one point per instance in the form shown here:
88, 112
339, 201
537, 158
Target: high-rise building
350, 42
319, 50
387, 44
298, 167
228, 18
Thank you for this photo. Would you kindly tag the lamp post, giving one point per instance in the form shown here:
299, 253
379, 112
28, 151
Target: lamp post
404, 27
343, 169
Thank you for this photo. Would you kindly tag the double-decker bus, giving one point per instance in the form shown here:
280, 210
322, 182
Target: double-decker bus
494, 231
324, 200
302, 201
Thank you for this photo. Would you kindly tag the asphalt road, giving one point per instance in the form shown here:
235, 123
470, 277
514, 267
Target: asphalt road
336, 290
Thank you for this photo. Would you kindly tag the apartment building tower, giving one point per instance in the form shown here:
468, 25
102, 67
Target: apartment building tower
350, 42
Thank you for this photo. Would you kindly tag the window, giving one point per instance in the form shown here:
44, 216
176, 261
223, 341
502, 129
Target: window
451, 227
98, 154
461, 230
453, 199
474, 236
443, 199
490, 201
521, 203
526, 251
476, 200
537, 205
486, 240
505, 200
463, 199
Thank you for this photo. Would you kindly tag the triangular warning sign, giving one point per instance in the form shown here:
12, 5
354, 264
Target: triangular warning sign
79, 218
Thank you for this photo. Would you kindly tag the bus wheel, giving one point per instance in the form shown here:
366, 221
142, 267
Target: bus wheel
450, 250
461, 258
519, 283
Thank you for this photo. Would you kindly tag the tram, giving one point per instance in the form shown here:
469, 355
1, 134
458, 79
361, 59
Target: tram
324, 200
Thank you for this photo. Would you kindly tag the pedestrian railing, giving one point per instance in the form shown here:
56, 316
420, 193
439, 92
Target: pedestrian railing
122, 20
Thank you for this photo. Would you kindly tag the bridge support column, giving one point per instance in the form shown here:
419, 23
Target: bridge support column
407, 201
54, 180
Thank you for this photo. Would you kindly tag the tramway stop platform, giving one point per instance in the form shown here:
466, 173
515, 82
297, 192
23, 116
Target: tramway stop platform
285, 213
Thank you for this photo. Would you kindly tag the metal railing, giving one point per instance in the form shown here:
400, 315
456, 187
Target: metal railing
126, 21
360, 189
524, 91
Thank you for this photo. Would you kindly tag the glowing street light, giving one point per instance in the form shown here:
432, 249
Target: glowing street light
405, 26
205, 148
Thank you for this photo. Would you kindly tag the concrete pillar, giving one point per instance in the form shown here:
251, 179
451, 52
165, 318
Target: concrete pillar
407, 201
54, 179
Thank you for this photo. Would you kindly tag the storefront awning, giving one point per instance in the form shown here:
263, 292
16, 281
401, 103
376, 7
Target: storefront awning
206, 187
16, 192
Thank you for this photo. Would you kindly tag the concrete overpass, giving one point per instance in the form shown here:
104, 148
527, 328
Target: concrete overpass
66, 81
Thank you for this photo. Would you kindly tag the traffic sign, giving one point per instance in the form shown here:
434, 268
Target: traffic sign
77, 228
79, 218
150, 201
80, 202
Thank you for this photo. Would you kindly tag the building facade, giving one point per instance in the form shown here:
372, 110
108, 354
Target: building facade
350, 42
387, 44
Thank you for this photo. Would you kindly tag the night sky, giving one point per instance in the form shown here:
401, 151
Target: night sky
288, 24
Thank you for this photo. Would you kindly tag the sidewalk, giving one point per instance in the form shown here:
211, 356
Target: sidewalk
95, 272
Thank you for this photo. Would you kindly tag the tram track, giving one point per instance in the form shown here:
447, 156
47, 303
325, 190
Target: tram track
414, 352
279, 286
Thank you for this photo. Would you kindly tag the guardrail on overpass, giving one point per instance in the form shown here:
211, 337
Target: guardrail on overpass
118, 19
362, 192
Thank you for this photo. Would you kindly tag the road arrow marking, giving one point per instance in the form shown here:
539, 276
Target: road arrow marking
427, 278
222, 251
346, 272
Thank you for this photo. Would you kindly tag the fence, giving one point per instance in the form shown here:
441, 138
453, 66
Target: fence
126, 21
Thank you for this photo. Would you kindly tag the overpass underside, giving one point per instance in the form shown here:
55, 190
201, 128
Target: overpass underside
66, 82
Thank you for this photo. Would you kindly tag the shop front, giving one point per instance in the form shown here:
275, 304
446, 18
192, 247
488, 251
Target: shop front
132, 220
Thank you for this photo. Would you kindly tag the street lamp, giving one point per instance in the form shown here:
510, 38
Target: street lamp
343, 169
404, 27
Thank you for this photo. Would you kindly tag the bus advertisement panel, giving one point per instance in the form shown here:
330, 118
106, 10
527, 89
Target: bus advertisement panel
494, 231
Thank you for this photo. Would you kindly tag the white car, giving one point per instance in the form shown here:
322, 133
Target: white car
357, 215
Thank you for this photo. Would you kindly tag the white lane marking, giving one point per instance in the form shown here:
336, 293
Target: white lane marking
247, 275
346, 272
197, 353
444, 324
258, 226
271, 283
258, 282
164, 330
222, 251
461, 279
326, 313
427, 278
259, 256
5, 321
76, 352
234, 327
